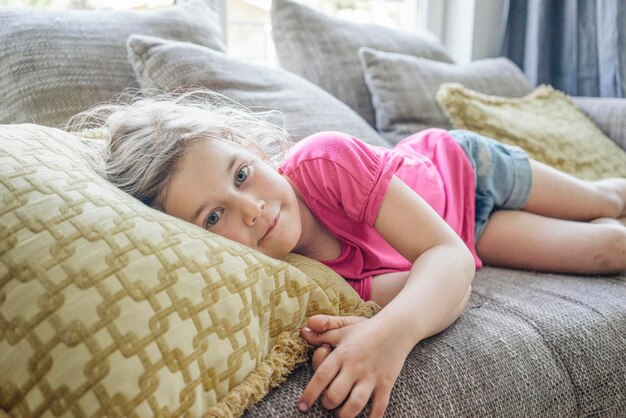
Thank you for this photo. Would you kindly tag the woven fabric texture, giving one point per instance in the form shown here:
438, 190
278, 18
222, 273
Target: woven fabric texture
324, 50
110, 308
404, 88
609, 114
527, 345
546, 124
167, 65
56, 63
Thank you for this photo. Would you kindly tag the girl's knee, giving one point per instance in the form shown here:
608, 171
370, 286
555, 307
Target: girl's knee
613, 193
613, 256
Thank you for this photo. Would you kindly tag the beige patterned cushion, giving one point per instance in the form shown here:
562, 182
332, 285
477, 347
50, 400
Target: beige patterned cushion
546, 123
110, 308
55, 63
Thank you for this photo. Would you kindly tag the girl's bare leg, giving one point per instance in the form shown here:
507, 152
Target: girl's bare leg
524, 240
548, 235
559, 195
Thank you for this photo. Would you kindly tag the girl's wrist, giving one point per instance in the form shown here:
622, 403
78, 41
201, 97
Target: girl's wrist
396, 327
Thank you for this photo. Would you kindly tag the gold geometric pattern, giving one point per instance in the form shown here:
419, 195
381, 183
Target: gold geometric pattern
108, 307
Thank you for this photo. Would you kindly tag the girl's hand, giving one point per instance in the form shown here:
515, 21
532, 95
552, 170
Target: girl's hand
365, 363
322, 323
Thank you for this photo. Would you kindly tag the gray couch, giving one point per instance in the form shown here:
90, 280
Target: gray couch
529, 344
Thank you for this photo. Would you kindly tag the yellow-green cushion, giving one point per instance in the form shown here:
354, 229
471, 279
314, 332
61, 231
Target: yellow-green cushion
108, 307
546, 123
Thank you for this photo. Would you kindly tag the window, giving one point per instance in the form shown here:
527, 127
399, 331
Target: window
91, 4
249, 29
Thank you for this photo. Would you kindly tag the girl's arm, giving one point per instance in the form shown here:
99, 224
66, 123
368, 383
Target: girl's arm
443, 269
369, 355
386, 286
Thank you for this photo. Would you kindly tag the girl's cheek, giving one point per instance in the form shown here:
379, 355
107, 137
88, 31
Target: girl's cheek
233, 232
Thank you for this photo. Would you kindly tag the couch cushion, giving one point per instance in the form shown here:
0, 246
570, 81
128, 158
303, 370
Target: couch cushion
111, 308
404, 88
545, 123
323, 49
528, 345
608, 113
56, 63
306, 109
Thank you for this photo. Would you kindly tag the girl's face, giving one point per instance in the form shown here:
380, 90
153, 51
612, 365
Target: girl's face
228, 189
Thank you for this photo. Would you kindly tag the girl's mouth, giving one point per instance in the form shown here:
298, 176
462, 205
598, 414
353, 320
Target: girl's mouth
271, 228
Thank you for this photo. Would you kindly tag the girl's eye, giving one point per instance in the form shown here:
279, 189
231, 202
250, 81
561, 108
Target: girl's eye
242, 174
212, 219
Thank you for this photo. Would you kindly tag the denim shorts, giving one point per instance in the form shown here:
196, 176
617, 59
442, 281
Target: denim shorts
502, 173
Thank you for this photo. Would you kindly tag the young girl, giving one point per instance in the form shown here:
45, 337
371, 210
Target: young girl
405, 227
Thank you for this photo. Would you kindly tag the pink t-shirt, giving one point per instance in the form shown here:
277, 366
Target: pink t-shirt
343, 181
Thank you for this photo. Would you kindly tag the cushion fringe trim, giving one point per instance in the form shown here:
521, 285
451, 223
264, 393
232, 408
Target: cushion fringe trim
289, 351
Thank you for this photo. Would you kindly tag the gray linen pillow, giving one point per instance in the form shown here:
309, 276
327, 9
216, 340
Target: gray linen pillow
56, 63
167, 65
404, 88
608, 113
324, 50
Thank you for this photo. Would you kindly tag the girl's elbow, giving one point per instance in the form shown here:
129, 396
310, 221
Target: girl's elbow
466, 298
468, 265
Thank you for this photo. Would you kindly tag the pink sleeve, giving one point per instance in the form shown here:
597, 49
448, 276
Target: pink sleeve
339, 172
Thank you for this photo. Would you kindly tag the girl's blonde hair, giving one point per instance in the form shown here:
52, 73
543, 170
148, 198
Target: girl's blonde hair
147, 136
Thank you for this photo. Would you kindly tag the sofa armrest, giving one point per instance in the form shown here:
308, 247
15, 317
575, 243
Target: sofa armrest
608, 113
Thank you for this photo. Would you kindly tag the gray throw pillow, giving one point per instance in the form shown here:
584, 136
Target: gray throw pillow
166, 65
404, 88
608, 113
324, 50
56, 63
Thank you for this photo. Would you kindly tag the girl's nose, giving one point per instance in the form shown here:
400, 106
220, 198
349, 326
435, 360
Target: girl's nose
253, 210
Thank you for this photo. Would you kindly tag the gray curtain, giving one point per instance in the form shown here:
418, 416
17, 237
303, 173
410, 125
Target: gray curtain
577, 46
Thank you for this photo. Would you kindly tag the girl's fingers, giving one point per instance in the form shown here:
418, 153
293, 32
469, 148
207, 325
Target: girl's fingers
331, 337
320, 354
322, 323
359, 397
338, 391
327, 329
380, 402
320, 381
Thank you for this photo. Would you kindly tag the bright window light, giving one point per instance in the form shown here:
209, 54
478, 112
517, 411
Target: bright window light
90, 4
249, 28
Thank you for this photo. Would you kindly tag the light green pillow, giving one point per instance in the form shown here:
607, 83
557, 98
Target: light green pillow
546, 123
110, 308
